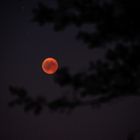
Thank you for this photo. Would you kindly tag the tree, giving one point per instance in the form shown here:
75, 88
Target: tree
115, 24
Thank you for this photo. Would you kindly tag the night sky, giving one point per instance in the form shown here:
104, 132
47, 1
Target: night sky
23, 46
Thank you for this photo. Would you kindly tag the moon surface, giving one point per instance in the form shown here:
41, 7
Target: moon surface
50, 65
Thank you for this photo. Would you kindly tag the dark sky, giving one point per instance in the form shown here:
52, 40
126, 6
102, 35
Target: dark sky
23, 46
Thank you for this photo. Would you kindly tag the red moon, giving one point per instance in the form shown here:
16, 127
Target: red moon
49, 65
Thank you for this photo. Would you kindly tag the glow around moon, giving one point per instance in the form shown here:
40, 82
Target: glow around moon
50, 65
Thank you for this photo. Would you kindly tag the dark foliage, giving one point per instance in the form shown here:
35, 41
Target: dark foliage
28, 103
116, 75
112, 21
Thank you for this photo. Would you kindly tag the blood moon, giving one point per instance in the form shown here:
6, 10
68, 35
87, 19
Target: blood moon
50, 65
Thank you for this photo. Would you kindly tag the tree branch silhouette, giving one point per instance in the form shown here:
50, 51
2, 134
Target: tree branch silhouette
112, 21
62, 104
115, 76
